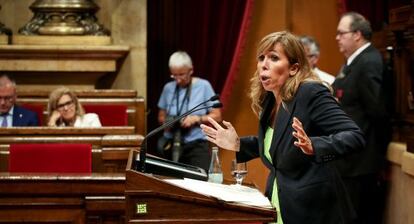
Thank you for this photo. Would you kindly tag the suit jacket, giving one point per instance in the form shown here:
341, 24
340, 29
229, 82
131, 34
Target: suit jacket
360, 93
24, 117
310, 190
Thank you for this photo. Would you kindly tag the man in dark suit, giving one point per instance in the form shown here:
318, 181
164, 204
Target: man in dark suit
359, 90
11, 114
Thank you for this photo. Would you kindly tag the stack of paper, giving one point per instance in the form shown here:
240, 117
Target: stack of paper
228, 193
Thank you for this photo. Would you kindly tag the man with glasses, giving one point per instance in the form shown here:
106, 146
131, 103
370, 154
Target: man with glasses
359, 90
180, 95
312, 52
10, 114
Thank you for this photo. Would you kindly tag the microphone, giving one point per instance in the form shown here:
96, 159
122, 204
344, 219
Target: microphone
143, 151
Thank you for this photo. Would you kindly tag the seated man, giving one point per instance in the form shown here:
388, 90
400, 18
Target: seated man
11, 114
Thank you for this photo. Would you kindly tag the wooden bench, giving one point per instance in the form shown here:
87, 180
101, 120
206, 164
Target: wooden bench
110, 145
51, 198
110, 97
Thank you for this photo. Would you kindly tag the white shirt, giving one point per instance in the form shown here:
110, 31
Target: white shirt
87, 120
324, 76
356, 53
9, 117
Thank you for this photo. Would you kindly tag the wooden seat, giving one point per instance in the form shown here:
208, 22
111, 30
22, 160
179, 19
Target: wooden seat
109, 115
50, 158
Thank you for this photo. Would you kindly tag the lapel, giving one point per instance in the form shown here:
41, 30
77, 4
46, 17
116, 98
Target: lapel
283, 118
17, 116
348, 69
268, 104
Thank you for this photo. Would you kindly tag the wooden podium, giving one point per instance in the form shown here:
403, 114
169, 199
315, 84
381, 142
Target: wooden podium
151, 199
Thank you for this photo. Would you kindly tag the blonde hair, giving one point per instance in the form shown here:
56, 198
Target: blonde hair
295, 53
56, 94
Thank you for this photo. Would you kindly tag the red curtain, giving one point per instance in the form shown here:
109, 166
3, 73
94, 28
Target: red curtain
238, 51
211, 31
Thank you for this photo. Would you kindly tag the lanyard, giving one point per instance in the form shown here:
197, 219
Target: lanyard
186, 99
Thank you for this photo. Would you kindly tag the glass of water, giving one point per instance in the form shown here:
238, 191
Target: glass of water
238, 171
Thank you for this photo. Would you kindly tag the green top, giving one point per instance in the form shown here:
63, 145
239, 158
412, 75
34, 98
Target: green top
275, 197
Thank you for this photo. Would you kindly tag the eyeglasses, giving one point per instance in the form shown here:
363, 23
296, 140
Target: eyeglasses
7, 98
65, 105
341, 33
179, 75
311, 55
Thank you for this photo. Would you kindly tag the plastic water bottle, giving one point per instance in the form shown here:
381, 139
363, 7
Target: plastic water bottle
215, 174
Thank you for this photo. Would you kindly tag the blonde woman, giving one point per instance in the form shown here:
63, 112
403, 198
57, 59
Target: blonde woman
65, 110
301, 129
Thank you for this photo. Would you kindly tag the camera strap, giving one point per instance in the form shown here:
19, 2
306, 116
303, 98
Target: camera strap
186, 99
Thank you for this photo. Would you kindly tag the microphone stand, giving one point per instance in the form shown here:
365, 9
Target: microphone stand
143, 150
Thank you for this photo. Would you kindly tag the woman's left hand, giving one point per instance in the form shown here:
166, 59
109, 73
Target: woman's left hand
303, 141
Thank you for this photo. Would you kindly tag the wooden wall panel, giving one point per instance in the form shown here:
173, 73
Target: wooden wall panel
319, 19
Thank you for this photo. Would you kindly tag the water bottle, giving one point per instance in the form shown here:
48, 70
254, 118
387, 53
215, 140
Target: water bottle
215, 174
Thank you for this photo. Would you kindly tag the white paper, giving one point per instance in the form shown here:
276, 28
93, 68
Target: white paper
228, 193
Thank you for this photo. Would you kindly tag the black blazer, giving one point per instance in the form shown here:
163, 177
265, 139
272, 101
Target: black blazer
310, 190
360, 93
24, 117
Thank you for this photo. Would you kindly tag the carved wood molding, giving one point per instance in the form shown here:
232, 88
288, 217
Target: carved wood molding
40, 65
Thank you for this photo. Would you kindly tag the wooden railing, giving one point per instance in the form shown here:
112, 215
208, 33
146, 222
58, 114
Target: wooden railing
85, 198
52, 198
110, 145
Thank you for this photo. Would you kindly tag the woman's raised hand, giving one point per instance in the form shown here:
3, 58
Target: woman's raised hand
54, 118
225, 138
302, 139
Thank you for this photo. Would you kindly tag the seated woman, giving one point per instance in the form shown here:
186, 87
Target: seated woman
64, 109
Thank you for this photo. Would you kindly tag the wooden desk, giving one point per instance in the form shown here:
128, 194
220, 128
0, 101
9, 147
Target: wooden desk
95, 198
28, 131
110, 145
151, 199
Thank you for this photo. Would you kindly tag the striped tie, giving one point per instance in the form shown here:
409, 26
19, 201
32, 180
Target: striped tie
4, 122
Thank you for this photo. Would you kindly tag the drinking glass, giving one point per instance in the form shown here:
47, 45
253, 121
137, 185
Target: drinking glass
238, 171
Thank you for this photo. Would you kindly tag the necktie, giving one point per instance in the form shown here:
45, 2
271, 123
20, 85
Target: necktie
342, 72
345, 69
4, 122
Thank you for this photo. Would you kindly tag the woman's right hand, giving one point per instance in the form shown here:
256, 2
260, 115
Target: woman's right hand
225, 138
54, 118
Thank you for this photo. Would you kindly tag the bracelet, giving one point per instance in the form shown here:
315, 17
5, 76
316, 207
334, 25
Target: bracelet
200, 121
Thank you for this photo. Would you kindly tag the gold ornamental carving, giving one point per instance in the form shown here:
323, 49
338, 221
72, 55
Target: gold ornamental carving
64, 17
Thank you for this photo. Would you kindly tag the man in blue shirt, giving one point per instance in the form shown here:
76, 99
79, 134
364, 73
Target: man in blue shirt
179, 96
